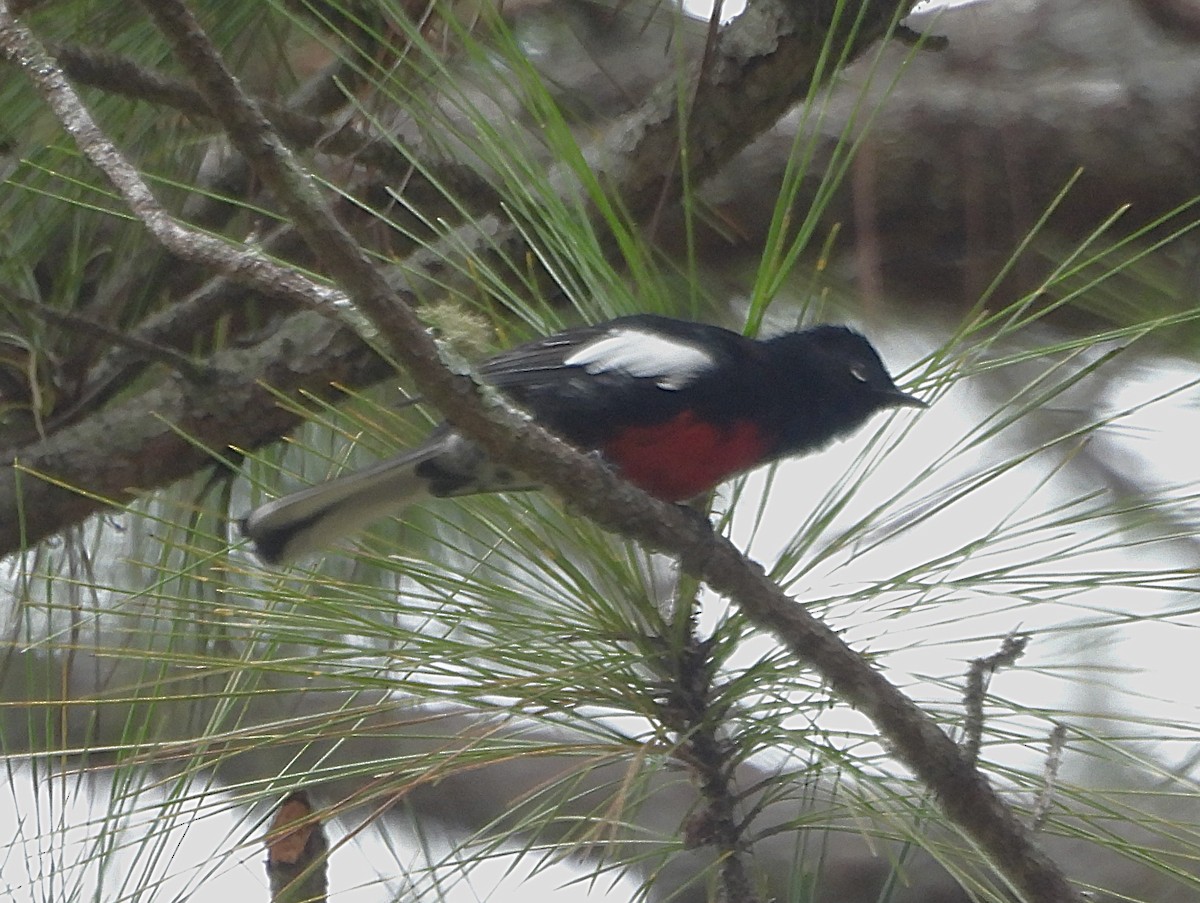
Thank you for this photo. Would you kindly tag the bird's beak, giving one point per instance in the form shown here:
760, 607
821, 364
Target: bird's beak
898, 399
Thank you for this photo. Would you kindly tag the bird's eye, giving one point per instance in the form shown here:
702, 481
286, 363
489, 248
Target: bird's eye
859, 372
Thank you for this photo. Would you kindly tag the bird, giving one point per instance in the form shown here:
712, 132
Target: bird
676, 407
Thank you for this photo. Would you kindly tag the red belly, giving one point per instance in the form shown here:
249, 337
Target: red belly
684, 457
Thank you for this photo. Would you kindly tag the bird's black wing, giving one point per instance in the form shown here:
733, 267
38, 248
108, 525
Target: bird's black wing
583, 383
668, 352
536, 362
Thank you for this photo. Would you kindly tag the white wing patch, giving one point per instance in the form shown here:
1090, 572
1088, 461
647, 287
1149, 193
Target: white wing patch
672, 364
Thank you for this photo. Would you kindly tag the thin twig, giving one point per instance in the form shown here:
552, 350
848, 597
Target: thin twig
142, 348
1045, 798
693, 712
978, 675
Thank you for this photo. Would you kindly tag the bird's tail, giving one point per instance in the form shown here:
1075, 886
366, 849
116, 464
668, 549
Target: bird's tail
314, 518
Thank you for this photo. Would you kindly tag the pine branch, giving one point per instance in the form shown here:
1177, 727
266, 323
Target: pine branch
965, 795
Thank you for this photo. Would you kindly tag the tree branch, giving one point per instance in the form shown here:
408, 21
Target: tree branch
42, 490
694, 712
245, 263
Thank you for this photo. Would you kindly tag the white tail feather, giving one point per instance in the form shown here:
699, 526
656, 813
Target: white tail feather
317, 517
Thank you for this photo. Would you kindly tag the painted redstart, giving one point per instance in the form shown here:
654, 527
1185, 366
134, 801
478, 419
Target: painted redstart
676, 407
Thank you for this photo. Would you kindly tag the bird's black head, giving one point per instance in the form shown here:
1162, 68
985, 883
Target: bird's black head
835, 380
853, 360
